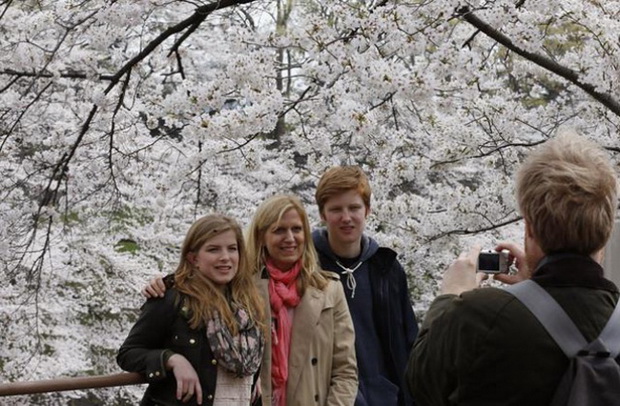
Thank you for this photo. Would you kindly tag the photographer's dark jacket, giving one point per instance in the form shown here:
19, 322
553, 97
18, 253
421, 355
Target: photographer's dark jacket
385, 325
484, 347
163, 325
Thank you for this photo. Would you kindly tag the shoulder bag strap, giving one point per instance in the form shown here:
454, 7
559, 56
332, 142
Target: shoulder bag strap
549, 313
611, 333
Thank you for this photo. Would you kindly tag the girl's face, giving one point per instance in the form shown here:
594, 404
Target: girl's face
218, 258
285, 240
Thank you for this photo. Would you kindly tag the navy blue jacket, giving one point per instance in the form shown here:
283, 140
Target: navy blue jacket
394, 321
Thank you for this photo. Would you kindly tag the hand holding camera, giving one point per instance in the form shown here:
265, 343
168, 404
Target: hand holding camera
516, 261
471, 268
461, 275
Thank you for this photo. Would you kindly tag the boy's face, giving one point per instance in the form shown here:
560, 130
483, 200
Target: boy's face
345, 216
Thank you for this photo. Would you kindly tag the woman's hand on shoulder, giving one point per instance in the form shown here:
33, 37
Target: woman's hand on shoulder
155, 288
188, 383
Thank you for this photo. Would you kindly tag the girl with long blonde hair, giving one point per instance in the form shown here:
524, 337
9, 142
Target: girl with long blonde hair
203, 340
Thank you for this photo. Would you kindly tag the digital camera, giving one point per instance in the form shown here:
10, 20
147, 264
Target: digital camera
490, 261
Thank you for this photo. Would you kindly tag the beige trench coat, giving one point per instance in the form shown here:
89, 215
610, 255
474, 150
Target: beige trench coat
322, 364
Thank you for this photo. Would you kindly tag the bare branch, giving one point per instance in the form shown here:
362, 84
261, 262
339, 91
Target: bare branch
492, 151
21, 115
199, 183
8, 4
473, 36
121, 99
190, 23
42, 74
475, 231
180, 64
11, 83
182, 38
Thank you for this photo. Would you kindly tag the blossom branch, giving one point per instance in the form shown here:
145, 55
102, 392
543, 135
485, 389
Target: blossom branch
572, 76
199, 15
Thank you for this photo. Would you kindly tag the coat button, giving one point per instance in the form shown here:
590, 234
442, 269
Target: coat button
214, 361
314, 361
316, 398
151, 375
210, 397
192, 341
156, 373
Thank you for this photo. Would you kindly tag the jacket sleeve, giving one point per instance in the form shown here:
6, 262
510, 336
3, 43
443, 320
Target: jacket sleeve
343, 386
431, 375
410, 324
144, 348
410, 328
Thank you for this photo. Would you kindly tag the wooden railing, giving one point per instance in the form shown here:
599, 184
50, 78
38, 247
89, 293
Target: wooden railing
74, 383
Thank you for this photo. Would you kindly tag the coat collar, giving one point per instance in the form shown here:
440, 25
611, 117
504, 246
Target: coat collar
572, 270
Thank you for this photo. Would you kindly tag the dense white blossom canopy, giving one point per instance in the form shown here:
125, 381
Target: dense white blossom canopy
123, 121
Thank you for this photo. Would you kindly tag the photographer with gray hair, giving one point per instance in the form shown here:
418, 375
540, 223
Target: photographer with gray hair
483, 346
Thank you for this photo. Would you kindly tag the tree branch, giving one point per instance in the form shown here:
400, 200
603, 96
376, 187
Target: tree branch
282, 114
199, 15
21, 115
572, 76
190, 23
121, 99
42, 74
8, 4
61, 168
474, 231
491, 151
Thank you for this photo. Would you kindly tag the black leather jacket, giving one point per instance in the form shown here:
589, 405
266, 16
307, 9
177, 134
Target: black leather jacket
163, 325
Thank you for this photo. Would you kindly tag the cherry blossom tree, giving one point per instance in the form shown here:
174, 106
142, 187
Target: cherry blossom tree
122, 121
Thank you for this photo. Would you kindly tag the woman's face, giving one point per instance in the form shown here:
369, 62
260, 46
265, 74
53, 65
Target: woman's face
218, 258
285, 240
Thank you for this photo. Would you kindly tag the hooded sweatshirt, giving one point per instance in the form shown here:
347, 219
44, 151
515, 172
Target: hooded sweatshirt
374, 386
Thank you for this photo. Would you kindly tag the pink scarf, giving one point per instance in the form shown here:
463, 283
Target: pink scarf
283, 295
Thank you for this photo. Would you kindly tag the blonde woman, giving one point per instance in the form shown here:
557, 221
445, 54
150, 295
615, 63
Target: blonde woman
309, 356
202, 342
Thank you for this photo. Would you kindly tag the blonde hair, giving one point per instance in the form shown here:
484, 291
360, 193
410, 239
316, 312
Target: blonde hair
268, 215
567, 192
340, 179
202, 295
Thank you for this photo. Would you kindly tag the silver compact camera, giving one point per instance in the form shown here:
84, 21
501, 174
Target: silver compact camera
490, 261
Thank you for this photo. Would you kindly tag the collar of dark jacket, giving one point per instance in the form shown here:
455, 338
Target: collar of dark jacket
383, 260
572, 270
